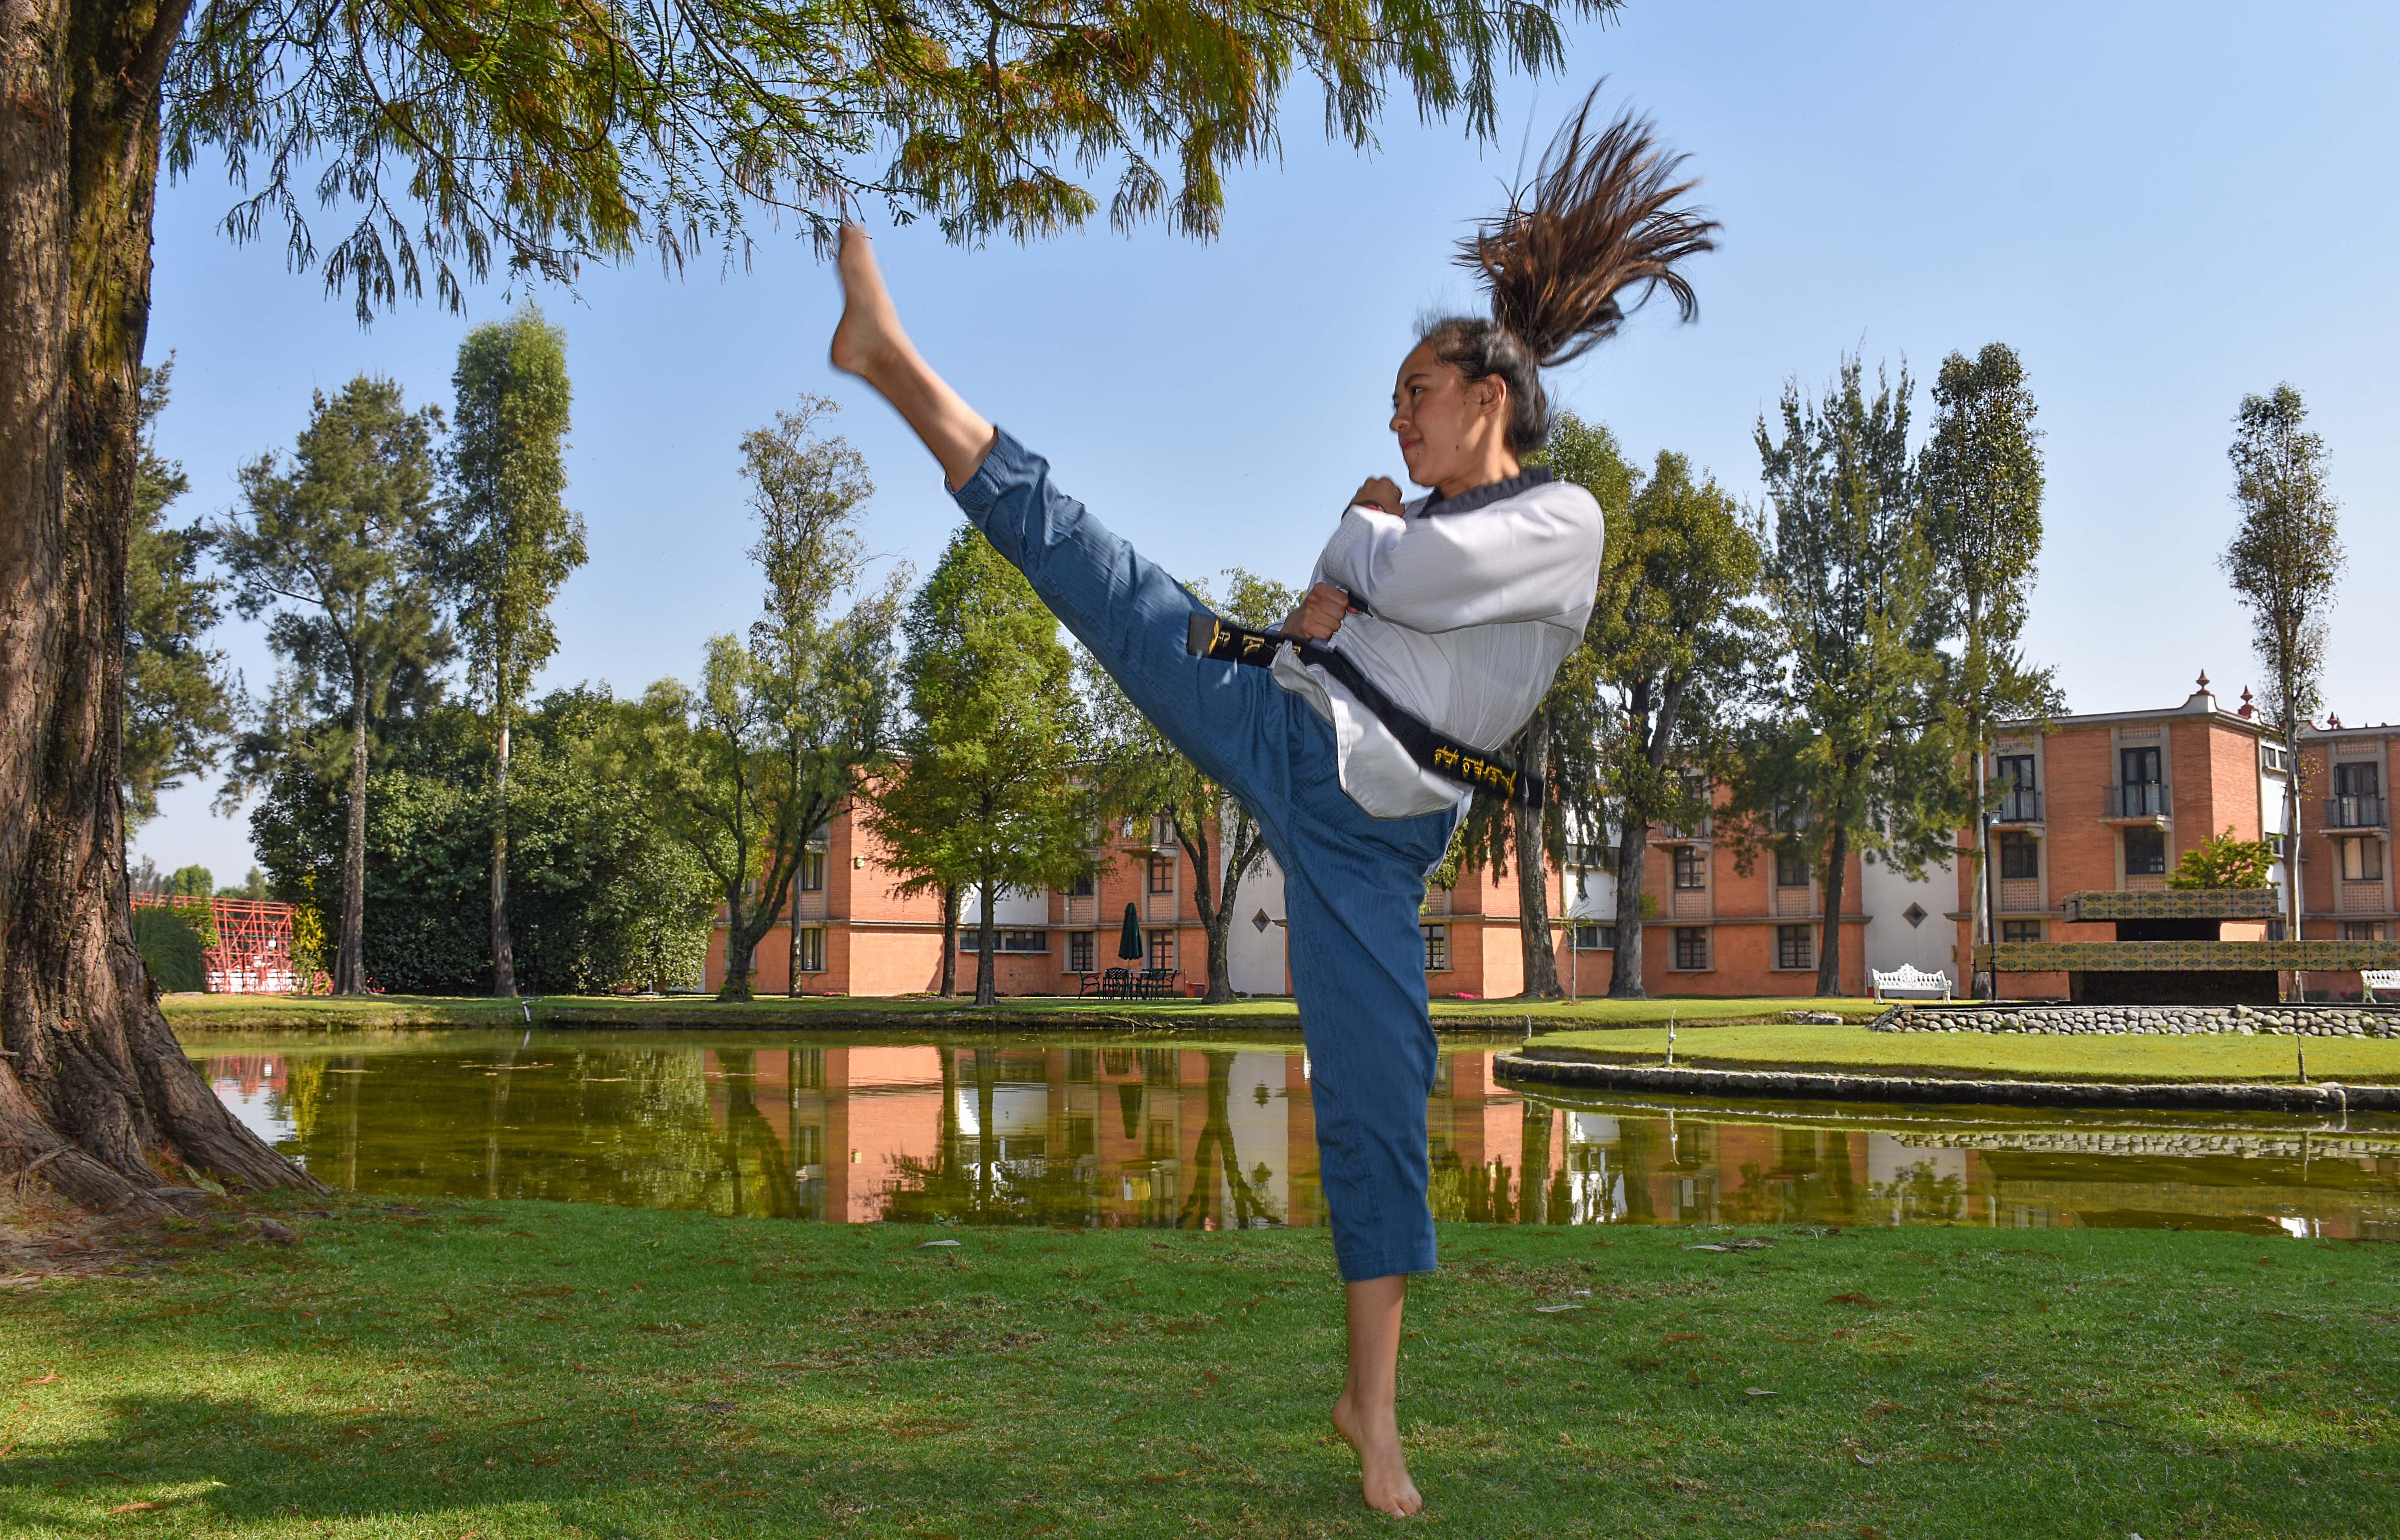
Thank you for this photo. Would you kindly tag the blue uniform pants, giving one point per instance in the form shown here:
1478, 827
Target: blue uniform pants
1353, 884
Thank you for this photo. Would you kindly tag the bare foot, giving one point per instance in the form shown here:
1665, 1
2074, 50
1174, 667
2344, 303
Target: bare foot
1383, 1468
869, 334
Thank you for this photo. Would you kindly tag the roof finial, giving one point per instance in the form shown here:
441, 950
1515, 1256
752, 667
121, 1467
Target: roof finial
2247, 708
2203, 678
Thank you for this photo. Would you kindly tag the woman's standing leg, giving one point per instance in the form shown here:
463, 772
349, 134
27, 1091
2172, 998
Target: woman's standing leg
1353, 894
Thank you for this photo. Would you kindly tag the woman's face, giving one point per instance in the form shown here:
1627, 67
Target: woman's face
1449, 427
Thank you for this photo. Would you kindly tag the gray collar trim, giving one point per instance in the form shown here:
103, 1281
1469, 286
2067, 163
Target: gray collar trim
1488, 493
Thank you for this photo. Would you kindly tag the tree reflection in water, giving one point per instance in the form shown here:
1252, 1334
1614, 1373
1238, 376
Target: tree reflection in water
1035, 1130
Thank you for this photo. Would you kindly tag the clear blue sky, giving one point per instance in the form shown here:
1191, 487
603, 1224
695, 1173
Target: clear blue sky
2160, 207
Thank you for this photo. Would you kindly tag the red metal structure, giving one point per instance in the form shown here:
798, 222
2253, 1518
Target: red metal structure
253, 955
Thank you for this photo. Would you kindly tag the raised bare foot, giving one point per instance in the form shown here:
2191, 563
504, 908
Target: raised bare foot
869, 333
1383, 1468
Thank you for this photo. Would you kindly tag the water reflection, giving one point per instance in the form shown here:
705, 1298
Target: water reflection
1210, 1137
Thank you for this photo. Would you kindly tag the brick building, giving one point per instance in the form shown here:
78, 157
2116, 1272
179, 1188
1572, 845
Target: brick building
2345, 843
2108, 802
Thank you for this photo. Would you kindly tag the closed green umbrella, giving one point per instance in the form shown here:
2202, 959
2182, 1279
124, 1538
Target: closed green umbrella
1129, 941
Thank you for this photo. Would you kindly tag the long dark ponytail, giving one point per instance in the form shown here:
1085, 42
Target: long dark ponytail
1599, 217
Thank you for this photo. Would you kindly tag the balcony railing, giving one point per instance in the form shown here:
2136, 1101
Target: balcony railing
2142, 800
2353, 813
2018, 805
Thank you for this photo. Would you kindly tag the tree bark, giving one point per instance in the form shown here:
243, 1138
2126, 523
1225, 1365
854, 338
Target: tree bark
504, 963
949, 940
987, 941
741, 949
1541, 970
349, 954
1632, 855
98, 1104
1829, 948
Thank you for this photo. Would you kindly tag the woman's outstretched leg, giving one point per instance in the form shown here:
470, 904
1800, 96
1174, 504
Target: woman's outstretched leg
1368, 1414
870, 344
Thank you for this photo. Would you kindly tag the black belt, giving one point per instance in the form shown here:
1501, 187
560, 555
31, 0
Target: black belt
1438, 752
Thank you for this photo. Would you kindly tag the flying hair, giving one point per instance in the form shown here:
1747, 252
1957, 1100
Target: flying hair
1601, 217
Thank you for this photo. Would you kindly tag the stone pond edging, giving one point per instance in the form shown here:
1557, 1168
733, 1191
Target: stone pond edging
1551, 1067
2145, 1020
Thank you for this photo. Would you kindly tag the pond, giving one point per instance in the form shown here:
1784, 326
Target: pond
1204, 1133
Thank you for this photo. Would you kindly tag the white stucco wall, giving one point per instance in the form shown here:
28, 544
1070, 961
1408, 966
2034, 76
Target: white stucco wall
1930, 946
1015, 908
1254, 954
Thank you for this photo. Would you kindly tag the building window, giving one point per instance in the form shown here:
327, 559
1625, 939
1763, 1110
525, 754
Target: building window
2146, 850
1080, 946
2138, 766
1436, 947
1082, 887
1595, 938
813, 871
2270, 758
2020, 855
1127, 825
1162, 951
2362, 860
2356, 780
811, 950
1161, 874
1791, 868
1691, 867
1692, 947
2361, 929
1793, 951
2275, 929
1006, 941
2017, 932
2013, 771
1162, 829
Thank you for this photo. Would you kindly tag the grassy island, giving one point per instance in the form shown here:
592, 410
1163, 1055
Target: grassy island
508, 1370
2018, 1056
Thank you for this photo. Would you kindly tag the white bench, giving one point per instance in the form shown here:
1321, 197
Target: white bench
1906, 978
2385, 979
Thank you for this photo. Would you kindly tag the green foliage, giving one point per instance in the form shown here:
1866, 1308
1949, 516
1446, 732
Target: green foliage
171, 947
2286, 560
601, 898
1858, 755
192, 882
506, 539
986, 791
548, 132
745, 770
179, 693
2225, 862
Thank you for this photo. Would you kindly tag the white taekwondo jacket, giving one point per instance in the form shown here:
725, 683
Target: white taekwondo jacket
1472, 604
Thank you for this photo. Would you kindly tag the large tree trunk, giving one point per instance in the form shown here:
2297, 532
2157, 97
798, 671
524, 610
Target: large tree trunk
1633, 853
949, 940
504, 962
349, 956
1215, 910
987, 942
98, 1104
1829, 949
1532, 879
740, 950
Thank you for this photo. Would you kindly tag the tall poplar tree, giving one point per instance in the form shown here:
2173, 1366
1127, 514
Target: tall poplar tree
1979, 475
336, 544
2285, 563
987, 791
1856, 755
538, 138
508, 540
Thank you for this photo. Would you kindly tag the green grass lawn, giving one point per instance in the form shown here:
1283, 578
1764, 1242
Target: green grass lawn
521, 1370
251, 1013
2016, 1054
